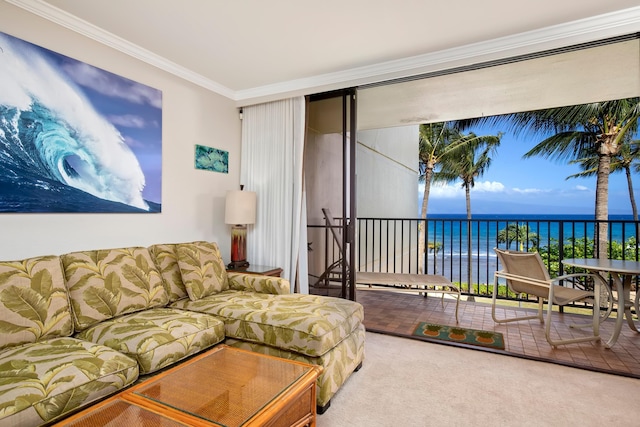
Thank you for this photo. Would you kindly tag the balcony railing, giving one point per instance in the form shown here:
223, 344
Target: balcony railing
462, 250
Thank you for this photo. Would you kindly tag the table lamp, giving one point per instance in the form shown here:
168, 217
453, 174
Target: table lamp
240, 210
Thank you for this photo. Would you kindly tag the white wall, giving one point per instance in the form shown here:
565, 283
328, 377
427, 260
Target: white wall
192, 200
387, 187
387, 172
323, 175
387, 180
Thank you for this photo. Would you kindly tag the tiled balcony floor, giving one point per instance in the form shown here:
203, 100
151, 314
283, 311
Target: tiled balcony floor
399, 314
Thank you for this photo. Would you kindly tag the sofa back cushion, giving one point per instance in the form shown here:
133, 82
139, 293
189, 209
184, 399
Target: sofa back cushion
166, 260
106, 283
202, 270
33, 301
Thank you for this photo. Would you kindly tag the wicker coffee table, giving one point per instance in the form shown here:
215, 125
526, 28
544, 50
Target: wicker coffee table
223, 387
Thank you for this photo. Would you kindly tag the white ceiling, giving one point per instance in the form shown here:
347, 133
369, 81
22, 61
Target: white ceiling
247, 49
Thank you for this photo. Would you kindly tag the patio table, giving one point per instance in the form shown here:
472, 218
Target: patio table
622, 272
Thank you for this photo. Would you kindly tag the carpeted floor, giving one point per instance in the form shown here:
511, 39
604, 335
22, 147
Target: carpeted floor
407, 382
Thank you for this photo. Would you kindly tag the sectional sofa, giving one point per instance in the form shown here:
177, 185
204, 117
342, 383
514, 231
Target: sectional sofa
77, 327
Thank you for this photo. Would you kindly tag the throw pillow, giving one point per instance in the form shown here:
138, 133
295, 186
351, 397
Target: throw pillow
197, 262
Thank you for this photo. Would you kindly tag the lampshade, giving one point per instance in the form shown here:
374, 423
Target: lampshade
240, 207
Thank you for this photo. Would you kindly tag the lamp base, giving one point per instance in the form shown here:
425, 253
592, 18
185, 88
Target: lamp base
236, 265
238, 247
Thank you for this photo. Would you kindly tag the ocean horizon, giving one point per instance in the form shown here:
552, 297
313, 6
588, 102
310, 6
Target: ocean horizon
450, 232
528, 216
447, 228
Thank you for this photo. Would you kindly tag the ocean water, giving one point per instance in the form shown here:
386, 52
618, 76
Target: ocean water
44, 167
450, 232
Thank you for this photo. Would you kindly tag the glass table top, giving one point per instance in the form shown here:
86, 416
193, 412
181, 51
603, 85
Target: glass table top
226, 387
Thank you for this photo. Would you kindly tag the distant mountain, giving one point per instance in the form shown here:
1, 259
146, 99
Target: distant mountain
457, 206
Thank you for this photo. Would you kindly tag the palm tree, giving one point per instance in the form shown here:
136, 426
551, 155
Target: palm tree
468, 163
517, 233
436, 141
627, 159
576, 132
434, 248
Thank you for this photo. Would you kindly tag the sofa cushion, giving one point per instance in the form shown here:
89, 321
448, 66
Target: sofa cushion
201, 268
157, 337
258, 283
48, 379
306, 324
33, 301
166, 260
107, 283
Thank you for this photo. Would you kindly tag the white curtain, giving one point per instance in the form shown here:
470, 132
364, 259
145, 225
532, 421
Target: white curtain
272, 166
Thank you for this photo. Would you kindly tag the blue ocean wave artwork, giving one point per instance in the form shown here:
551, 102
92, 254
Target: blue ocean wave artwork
75, 138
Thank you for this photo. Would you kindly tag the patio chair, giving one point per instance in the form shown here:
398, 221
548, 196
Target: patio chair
525, 273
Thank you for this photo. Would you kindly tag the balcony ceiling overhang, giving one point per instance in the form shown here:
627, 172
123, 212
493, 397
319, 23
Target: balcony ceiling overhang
253, 50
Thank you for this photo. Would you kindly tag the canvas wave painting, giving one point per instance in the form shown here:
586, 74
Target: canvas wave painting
75, 138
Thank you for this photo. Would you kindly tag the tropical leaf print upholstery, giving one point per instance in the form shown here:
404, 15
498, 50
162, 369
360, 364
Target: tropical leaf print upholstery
201, 269
257, 283
306, 324
158, 337
107, 283
33, 301
166, 259
219, 267
41, 381
337, 364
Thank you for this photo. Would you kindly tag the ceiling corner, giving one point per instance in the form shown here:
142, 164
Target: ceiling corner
73, 23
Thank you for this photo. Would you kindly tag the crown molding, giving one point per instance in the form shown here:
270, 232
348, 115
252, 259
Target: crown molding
71, 22
599, 27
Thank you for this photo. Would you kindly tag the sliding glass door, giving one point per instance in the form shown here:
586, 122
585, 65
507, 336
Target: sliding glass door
330, 189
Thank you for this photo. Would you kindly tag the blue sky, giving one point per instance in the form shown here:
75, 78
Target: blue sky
513, 185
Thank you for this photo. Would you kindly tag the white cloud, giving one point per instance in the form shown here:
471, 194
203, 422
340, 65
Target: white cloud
529, 190
452, 191
128, 120
112, 85
581, 188
488, 187
446, 191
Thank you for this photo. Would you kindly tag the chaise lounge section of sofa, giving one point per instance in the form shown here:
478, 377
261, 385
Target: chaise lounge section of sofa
261, 315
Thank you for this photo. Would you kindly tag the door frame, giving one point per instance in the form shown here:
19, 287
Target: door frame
349, 211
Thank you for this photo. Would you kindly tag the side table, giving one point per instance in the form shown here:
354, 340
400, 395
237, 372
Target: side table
263, 270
